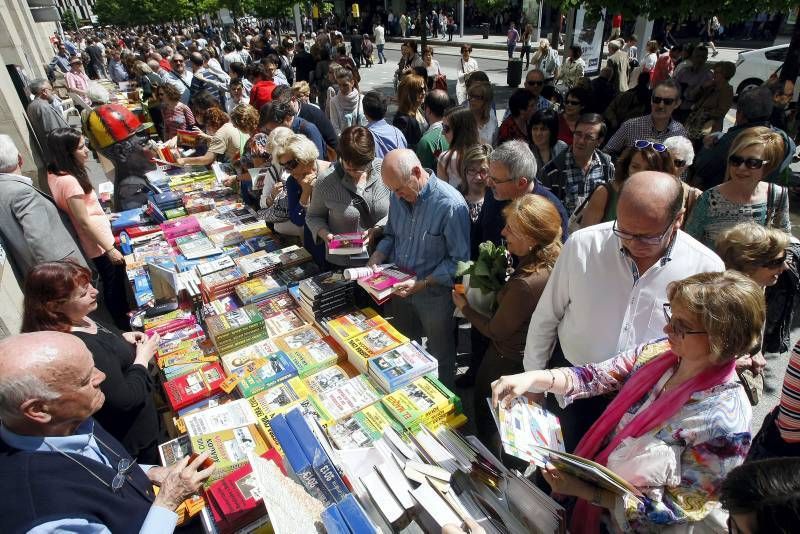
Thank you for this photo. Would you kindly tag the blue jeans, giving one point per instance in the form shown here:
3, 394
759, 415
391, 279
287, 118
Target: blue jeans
511, 48
381, 56
429, 314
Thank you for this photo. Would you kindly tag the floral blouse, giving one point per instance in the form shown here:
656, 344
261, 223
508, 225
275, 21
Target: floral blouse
680, 465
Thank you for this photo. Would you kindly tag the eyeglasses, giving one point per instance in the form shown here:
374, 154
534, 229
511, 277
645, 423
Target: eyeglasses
641, 144
476, 172
584, 135
446, 128
495, 181
666, 101
573, 102
750, 163
123, 468
645, 239
777, 262
678, 328
355, 170
679, 163
291, 164
534, 82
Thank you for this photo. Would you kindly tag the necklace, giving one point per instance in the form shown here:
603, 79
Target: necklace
123, 467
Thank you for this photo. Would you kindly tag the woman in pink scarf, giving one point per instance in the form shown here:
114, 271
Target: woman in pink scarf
681, 420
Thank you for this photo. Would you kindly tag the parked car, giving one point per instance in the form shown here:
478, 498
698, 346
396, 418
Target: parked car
754, 67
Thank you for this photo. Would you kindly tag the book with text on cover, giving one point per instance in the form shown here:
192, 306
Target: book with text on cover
380, 285
347, 244
524, 425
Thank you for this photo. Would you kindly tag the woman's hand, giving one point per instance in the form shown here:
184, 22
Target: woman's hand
146, 349
200, 133
566, 484
134, 337
115, 256
459, 300
508, 387
308, 181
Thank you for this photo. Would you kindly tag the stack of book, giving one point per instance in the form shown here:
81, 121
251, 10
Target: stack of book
400, 366
292, 275
221, 283
424, 401
258, 289
228, 448
236, 329
316, 356
214, 265
380, 285
195, 386
352, 323
163, 206
363, 347
259, 263
294, 255
324, 294
277, 303
267, 372
347, 398
197, 245
347, 245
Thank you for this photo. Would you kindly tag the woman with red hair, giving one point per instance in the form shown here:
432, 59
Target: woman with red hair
59, 296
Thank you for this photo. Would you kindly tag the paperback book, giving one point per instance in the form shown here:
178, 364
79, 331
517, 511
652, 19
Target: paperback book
282, 323
275, 368
363, 347
399, 366
380, 285
316, 355
525, 426
228, 448
345, 400
347, 244
192, 387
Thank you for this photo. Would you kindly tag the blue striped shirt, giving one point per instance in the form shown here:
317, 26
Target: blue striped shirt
430, 236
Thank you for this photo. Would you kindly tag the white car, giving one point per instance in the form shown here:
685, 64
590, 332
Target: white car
754, 67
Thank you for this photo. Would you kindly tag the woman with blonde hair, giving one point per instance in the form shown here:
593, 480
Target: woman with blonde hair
533, 236
680, 420
481, 103
273, 202
409, 119
474, 167
299, 157
744, 195
302, 92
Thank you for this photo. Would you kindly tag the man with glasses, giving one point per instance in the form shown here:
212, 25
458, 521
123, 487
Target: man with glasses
607, 290
427, 233
656, 126
574, 174
59, 470
179, 77
534, 82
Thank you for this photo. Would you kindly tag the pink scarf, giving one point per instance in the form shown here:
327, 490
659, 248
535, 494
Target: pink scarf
585, 517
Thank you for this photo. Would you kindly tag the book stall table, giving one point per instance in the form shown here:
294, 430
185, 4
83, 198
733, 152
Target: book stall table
316, 413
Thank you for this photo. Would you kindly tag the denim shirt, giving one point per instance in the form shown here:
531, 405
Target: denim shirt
430, 236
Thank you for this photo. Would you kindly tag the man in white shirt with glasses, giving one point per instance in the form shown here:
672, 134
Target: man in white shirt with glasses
607, 290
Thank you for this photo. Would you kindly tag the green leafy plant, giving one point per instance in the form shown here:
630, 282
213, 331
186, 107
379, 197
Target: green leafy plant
490, 271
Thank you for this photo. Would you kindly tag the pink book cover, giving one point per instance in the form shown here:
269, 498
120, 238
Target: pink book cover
353, 240
386, 279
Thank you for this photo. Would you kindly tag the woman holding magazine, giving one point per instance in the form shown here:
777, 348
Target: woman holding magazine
350, 197
533, 237
680, 420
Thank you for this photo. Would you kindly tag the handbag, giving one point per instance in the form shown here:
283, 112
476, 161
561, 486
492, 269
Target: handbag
576, 218
440, 82
753, 385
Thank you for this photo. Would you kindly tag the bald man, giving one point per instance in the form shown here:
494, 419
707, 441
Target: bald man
607, 290
59, 470
427, 233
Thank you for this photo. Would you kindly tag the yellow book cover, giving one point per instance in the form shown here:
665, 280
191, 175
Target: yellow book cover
268, 402
297, 339
234, 361
419, 401
228, 448
354, 323
371, 343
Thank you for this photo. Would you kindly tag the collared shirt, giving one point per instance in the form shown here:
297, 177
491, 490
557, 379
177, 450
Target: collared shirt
430, 236
594, 324
432, 145
387, 137
182, 83
577, 184
641, 128
62, 62
80, 81
117, 72
159, 520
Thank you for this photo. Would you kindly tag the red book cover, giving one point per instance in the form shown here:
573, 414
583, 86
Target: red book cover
137, 231
195, 386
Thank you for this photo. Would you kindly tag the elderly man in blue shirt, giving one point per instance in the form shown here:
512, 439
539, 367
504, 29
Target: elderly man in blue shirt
59, 470
427, 233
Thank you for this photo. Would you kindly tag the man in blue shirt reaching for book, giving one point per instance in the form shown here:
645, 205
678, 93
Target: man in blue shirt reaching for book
59, 470
427, 234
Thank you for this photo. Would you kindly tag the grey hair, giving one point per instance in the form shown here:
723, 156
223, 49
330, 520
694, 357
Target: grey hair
37, 86
406, 162
9, 155
756, 104
18, 389
680, 148
518, 159
613, 45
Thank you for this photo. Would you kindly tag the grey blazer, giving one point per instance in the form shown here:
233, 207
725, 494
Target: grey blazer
31, 227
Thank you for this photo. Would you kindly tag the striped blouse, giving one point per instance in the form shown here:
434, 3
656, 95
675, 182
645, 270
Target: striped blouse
789, 414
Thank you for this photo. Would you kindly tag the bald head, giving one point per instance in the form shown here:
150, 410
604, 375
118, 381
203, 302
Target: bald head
38, 371
652, 194
403, 174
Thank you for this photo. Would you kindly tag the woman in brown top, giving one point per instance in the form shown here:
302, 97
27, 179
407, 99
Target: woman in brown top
533, 237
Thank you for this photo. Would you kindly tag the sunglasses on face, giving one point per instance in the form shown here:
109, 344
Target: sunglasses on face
641, 144
750, 163
776, 262
534, 82
446, 128
677, 327
291, 164
679, 163
666, 101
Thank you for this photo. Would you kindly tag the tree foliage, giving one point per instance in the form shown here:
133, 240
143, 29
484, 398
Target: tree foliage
70, 19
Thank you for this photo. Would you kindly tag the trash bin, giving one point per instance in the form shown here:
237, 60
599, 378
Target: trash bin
514, 75
485, 30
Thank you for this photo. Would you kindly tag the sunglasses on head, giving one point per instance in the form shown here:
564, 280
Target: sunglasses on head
534, 82
291, 164
666, 101
750, 163
641, 144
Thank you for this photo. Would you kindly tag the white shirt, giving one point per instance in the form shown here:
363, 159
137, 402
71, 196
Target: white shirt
380, 39
593, 305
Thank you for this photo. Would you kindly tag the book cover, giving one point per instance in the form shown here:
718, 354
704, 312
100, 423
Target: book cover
381, 284
228, 448
192, 387
327, 284
333, 521
276, 304
321, 463
272, 400
361, 348
327, 379
362, 428
345, 400
174, 450
257, 289
316, 356
128, 218
353, 323
291, 276
399, 366
215, 265
187, 138
258, 263
298, 461
355, 516
418, 402
282, 323
524, 426
275, 368
298, 338
294, 255
347, 244
260, 350
225, 416
229, 325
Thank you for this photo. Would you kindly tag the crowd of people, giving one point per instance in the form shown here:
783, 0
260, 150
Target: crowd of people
651, 263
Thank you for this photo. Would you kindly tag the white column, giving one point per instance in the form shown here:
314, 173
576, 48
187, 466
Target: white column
298, 21
644, 31
461, 18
